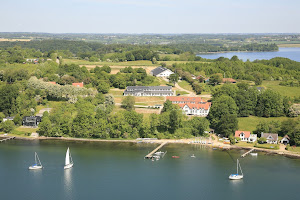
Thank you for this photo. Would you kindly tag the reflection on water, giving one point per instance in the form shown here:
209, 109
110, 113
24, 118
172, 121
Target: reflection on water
68, 184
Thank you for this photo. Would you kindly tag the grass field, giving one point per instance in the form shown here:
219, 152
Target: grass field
28, 66
24, 131
250, 123
128, 63
185, 85
294, 149
268, 146
283, 90
14, 40
288, 45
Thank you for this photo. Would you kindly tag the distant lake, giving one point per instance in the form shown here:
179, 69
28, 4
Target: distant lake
118, 171
292, 53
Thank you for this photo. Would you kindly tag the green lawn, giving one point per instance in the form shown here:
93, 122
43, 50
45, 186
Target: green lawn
250, 123
185, 85
283, 90
23, 131
244, 144
294, 149
268, 146
128, 63
181, 92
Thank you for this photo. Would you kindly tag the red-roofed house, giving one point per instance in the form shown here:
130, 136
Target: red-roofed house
54, 83
246, 136
201, 109
191, 105
228, 80
180, 99
78, 84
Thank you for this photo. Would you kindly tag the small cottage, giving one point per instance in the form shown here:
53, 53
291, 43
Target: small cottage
8, 118
285, 140
272, 138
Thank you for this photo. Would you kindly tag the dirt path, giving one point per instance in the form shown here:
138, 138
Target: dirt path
182, 89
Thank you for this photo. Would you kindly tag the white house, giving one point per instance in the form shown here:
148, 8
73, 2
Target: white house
285, 140
8, 118
252, 138
244, 135
161, 72
272, 138
196, 109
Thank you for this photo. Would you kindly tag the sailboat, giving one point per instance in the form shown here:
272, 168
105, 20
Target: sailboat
37, 164
68, 160
237, 176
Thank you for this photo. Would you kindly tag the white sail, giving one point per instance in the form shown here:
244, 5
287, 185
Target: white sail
67, 160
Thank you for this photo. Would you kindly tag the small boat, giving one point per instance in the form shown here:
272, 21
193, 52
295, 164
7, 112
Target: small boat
237, 176
193, 156
253, 154
68, 160
37, 164
159, 153
175, 156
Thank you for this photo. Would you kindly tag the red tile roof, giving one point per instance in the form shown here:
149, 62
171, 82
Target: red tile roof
185, 99
78, 84
54, 83
246, 133
204, 106
224, 80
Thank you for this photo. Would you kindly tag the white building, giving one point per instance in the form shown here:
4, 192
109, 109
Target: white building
246, 136
272, 138
196, 109
148, 91
161, 72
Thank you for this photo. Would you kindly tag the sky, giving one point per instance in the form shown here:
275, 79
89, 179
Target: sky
150, 16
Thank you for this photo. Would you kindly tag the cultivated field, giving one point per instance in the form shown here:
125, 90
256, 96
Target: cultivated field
14, 40
283, 90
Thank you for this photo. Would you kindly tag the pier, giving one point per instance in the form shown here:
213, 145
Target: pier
247, 153
150, 155
9, 138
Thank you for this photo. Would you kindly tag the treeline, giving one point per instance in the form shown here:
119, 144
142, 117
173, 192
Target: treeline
231, 101
197, 48
121, 52
96, 119
274, 69
290, 127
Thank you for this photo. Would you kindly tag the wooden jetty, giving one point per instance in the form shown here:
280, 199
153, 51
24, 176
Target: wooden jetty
247, 153
150, 155
9, 138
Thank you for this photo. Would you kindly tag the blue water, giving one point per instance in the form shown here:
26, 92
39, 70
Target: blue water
113, 171
292, 53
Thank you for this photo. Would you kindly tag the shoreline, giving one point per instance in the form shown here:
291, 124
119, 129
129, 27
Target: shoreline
172, 141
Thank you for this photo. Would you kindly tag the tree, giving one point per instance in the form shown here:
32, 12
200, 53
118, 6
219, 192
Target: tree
257, 78
128, 103
168, 106
103, 87
215, 79
227, 125
1, 116
7, 126
45, 127
173, 78
269, 104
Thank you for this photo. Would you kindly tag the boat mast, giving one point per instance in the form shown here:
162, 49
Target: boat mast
35, 154
237, 163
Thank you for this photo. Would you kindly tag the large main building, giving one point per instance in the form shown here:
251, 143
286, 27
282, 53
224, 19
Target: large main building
192, 105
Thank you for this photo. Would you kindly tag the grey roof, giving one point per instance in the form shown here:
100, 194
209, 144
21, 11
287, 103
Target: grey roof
158, 70
273, 135
135, 88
